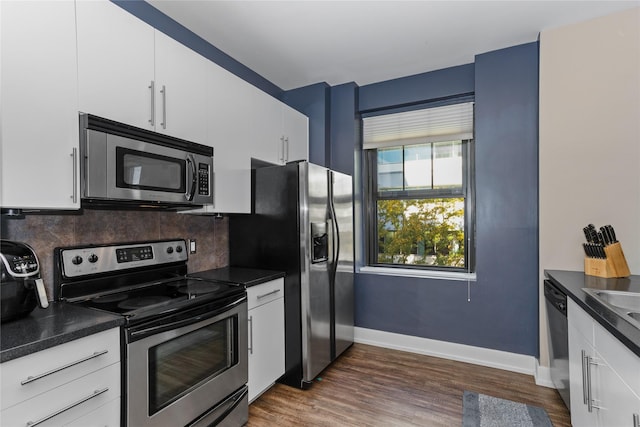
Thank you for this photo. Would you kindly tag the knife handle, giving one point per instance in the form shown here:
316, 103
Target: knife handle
612, 233
605, 235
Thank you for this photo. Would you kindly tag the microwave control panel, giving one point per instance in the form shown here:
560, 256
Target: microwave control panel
203, 179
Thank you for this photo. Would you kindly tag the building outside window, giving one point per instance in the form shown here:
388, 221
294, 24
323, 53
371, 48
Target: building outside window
419, 188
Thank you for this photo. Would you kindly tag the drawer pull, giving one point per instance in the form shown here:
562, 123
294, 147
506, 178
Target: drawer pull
53, 371
268, 293
66, 408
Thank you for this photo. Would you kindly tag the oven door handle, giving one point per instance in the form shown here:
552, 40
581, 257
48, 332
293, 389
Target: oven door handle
143, 333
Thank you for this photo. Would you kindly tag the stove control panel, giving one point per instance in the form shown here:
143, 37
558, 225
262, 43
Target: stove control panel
84, 261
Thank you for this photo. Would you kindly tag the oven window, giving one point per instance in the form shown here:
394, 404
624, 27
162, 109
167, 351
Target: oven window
148, 171
178, 365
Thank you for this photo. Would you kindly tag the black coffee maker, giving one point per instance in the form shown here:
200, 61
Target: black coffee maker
21, 288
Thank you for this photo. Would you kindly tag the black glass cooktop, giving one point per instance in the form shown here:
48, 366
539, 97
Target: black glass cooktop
159, 297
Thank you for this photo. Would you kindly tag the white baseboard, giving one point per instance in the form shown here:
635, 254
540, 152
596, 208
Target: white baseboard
460, 352
543, 376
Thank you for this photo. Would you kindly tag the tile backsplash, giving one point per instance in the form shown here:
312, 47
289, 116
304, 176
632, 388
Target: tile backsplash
46, 232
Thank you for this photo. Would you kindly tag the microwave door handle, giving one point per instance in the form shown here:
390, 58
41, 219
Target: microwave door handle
192, 176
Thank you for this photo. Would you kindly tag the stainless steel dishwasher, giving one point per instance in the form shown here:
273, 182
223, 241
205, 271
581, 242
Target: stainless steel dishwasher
556, 303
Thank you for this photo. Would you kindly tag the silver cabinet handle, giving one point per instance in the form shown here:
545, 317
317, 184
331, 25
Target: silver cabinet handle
31, 379
282, 146
164, 107
152, 87
74, 159
636, 420
286, 144
66, 408
584, 377
268, 293
250, 334
590, 362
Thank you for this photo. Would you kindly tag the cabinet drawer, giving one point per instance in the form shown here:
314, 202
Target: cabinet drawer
264, 293
620, 358
31, 375
105, 416
68, 402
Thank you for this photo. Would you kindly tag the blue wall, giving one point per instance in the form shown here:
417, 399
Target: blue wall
345, 127
503, 311
407, 91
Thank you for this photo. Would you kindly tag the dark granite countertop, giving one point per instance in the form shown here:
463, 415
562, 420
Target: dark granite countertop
572, 283
55, 325
244, 276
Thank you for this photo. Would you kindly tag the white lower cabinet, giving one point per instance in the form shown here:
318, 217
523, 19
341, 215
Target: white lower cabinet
266, 335
65, 384
602, 393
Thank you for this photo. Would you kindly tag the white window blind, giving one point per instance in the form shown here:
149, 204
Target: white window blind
438, 124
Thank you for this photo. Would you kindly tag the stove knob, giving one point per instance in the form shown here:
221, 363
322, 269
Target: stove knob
76, 260
93, 258
178, 249
169, 250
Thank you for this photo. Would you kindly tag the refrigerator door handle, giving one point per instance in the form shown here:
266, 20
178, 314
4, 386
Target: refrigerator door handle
335, 231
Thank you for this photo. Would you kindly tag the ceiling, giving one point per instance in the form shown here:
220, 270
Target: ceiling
297, 43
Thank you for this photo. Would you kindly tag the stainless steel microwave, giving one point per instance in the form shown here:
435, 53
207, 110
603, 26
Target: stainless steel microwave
125, 166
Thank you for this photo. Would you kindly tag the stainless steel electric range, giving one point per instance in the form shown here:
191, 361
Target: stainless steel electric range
184, 340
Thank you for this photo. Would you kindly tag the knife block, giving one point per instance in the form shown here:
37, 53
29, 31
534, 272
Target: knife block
614, 265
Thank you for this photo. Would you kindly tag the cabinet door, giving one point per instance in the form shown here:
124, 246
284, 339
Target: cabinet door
180, 76
579, 386
115, 64
580, 340
296, 133
267, 139
229, 103
39, 124
266, 346
615, 399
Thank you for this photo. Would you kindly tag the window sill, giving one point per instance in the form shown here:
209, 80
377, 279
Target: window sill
410, 272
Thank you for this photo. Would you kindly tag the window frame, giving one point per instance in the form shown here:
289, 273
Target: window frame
371, 197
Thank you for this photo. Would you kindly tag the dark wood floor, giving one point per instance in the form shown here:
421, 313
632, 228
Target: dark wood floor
372, 386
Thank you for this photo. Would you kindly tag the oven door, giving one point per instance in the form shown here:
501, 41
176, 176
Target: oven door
177, 371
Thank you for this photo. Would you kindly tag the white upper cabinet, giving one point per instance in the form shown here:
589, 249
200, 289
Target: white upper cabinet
180, 83
39, 124
267, 139
115, 64
131, 73
280, 133
295, 129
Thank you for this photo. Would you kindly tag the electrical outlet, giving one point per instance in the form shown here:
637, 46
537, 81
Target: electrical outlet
192, 246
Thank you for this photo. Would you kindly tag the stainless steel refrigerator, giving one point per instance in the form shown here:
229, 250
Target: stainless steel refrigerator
302, 224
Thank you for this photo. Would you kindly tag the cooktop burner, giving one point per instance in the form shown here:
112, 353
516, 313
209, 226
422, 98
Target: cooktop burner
110, 299
141, 302
195, 288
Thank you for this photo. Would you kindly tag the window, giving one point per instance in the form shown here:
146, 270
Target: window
419, 198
